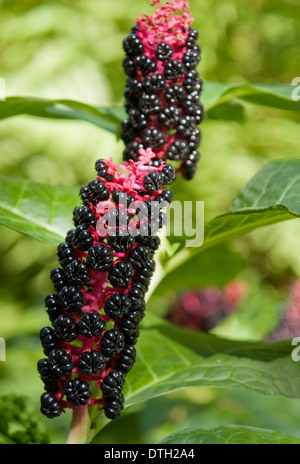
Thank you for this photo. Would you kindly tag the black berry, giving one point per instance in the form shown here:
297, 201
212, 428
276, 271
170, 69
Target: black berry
165, 197
137, 119
135, 86
169, 174
117, 305
50, 407
177, 150
45, 371
169, 115
136, 295
163, 52
99, 258
132, 45
138, 256
145, 64
193, 35
130, 323
81, 238
102, 170
174, 94
132, 151
153, 181
60, 362
83, 215
127, 359
153, 137
129, 66
114, 406
91, 325
120, 243
113, 383
186, 126
112, 343
77, 273
94, 192
121, 274
194, 139
154, 83
191, 58
65, 328
53, 306
77, 392
91, 363
65, 254
149, 104
58, 278
48, 340
71, 299
173, 70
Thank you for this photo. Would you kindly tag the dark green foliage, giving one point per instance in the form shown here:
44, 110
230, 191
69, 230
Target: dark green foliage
18, 422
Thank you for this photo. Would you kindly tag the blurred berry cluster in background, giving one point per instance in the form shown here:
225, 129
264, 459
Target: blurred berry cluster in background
203, 309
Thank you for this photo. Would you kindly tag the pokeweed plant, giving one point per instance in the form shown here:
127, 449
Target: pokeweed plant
101, 284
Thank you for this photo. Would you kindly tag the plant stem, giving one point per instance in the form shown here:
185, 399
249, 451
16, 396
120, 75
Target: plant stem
80, 426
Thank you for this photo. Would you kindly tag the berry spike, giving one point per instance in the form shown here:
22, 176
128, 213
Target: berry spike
106, 266
163, 87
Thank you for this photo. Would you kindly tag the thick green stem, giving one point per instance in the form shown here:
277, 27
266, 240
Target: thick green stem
80, 426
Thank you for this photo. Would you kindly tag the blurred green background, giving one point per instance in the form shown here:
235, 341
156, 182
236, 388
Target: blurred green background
73, 49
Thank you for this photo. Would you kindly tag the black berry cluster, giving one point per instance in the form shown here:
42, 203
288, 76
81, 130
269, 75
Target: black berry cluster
99, 289
163, 98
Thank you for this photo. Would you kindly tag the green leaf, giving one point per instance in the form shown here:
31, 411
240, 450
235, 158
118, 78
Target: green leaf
164, 365
271, 196
105, 118
217, 96
206, 344
231, 111
175, 366
229, 435
221, 101
41, 211
215, 266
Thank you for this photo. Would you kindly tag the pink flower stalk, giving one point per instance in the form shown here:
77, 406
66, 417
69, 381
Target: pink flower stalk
163, 87
106, 266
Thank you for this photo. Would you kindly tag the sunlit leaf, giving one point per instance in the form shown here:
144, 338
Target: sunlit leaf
271, 196
165, 365
229, 435
216, 97
41, 211
60, 109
